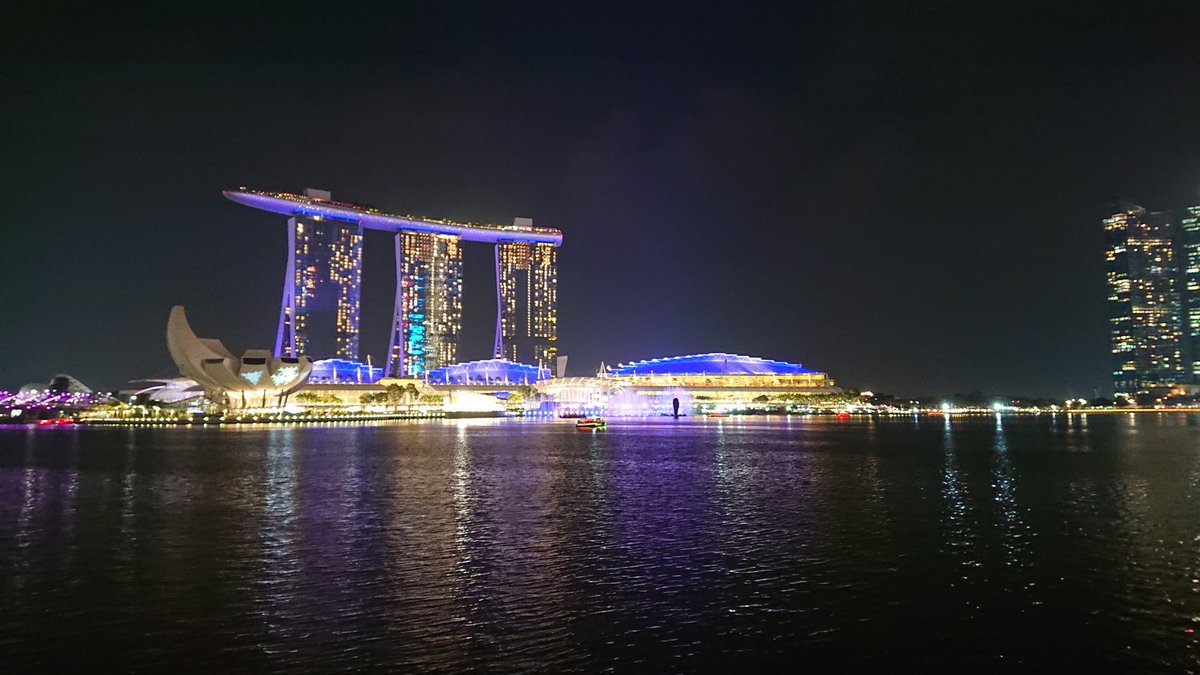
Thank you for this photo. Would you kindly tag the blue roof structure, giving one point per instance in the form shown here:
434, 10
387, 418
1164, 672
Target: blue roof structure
344, 371
488, 371
715, 363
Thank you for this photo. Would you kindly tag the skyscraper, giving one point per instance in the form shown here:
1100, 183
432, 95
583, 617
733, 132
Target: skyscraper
1145, 325
527, 290
319, 315
324, 273
1190, 224
428, 315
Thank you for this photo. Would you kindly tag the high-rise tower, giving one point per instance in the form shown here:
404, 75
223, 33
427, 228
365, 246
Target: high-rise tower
319, 315
324, 273
428, 315
1145, 325
1190, 224
527, 294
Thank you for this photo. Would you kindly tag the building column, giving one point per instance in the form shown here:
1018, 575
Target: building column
498, 350
285, 337
395, 352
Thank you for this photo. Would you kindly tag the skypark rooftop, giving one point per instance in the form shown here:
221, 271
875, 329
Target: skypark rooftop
287, 204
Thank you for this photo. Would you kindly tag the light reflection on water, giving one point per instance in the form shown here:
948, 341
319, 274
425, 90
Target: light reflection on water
659, 544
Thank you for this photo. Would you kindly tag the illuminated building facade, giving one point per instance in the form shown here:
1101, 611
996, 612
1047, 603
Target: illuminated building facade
721, 371
334, 371
427, 319
527, 294
1190, 224
487, 373
322, 288
256, 380
699, 382
325, 270
1144, 309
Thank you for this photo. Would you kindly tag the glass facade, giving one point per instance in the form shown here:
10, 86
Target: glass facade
527, 287
1144, 308
320, 310
1190, 224
428, 313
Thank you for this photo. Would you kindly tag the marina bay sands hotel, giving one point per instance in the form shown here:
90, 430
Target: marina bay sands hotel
319, 315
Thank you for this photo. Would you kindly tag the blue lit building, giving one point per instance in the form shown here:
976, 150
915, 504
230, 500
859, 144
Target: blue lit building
488, 372
715, 364
344, 371
713, 382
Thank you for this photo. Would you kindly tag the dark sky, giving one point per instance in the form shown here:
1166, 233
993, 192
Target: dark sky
906, 195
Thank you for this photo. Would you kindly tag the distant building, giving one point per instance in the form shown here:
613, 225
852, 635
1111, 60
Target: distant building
166, 391
527, 289
1144, 302
1190, 225
427, 320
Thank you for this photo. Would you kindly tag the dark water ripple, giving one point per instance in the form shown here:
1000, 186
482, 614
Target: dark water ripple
659, 545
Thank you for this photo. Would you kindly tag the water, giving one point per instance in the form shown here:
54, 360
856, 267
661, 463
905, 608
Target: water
657, 545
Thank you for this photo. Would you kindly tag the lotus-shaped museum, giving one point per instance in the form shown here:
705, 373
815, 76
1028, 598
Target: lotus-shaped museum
257, 379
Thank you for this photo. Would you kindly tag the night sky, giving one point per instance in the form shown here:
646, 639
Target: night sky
905, 195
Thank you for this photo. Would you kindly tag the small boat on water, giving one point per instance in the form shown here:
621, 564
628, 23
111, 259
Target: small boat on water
590, 424
717, 414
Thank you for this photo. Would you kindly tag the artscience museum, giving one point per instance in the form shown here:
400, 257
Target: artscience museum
256, 380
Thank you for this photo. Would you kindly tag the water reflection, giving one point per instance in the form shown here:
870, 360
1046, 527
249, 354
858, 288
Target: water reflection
954, 494
658, 545
278, 533
1013, 531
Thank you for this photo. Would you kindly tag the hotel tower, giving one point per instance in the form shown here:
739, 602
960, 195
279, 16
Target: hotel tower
320, 309
428, 315
319, 315
527, 294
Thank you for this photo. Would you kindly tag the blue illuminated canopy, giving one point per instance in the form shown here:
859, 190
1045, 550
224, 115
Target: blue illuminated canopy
344, 371
488, 371
715, 363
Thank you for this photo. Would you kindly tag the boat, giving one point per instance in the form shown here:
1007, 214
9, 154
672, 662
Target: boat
717, 414
590, 424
